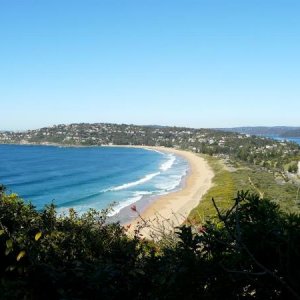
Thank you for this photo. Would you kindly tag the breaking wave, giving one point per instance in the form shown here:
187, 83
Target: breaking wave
169, 163
134, 183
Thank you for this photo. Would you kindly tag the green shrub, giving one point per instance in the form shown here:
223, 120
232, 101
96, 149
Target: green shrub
251, 252
293, 167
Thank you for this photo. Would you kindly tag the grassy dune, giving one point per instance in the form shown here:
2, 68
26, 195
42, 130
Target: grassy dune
231, 177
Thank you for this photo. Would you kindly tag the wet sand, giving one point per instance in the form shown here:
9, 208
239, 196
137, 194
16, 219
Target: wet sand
172, 209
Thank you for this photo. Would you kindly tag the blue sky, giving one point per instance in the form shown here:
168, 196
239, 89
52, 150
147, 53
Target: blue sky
201, 63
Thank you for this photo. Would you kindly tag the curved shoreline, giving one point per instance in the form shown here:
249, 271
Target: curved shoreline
172, 209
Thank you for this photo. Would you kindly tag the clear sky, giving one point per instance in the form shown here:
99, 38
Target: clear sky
201, 63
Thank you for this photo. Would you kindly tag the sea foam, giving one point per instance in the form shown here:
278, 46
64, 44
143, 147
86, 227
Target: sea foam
136, 197
131, 184
169, 163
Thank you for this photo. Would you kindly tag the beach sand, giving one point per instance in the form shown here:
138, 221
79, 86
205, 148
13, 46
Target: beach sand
172, 209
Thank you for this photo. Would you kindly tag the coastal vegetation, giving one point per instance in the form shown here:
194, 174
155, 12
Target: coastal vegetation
249, 251
231, 176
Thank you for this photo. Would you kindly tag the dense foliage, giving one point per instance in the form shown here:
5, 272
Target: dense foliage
251, 251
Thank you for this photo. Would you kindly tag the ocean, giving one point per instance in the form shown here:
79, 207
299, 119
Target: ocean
280, 138
295, 140
90, 177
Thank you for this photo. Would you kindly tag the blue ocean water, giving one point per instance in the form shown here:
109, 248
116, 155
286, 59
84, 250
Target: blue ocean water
295, 140
91, 177
280, 138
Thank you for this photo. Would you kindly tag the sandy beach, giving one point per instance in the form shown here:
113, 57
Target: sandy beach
173, 208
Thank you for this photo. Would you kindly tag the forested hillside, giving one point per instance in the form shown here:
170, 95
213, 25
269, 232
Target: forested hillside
264, 130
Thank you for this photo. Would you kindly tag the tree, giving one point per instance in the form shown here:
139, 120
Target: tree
250, 251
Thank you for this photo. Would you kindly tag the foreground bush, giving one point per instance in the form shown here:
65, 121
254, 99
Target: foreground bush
251, 252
